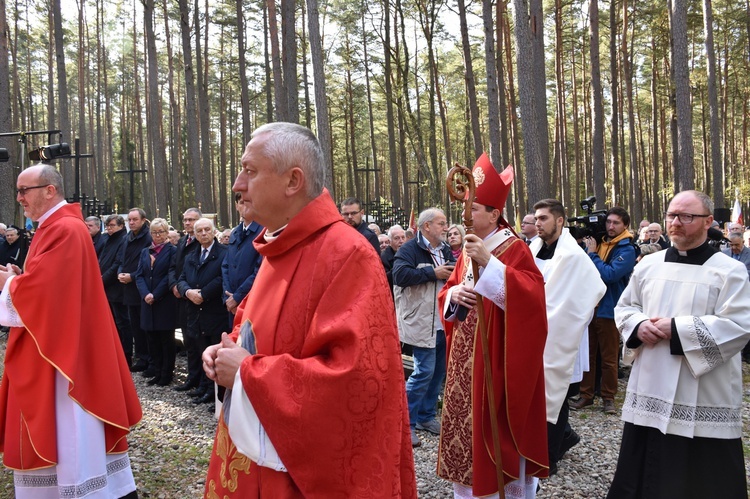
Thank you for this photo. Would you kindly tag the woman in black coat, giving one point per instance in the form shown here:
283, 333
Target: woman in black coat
158, 305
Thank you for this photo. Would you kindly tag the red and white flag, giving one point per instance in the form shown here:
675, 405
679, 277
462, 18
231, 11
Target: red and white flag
737, 210
412, 222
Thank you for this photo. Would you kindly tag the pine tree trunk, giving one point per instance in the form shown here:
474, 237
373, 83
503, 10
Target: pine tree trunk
321, 104
685, 178
597, 125
67, 170
7, 177
713, 105
244, 92
471, 91
191, 111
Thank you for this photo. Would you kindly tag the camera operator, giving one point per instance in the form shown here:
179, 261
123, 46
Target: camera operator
614, 258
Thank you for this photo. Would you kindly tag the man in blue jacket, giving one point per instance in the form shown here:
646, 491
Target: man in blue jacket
241, 262
614, 259
420, 269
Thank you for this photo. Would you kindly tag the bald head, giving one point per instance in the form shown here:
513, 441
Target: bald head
39, 188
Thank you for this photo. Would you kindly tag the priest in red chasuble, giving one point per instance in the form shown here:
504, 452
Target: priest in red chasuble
316, 406
512, 290
67, 400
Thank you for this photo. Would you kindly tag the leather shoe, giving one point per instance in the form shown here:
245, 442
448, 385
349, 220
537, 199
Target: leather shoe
154, 380
164, 381
205, 399
608, 406
138, 367
569, 441
149, 373
581, 403
198, 392
187, 385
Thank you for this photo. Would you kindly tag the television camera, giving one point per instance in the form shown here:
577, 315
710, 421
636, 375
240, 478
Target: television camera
592, 224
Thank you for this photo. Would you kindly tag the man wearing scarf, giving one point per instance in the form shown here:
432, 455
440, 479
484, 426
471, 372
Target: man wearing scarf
614, 259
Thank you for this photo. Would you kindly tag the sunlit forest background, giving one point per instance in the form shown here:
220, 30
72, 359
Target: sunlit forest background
628, 101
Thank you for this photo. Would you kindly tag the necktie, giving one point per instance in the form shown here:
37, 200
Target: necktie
204, 254
189, 240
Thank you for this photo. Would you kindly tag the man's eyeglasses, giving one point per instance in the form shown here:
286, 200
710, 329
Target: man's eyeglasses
528, 223
112, 225
21, 191
685, 218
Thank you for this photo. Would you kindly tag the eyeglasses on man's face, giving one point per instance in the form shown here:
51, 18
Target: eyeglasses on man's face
21, 191
685, 218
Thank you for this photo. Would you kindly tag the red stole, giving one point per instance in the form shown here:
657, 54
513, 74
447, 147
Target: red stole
516, 341
69, 329
327, 382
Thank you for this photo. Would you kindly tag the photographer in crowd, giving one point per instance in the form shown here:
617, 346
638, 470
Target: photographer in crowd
614, 258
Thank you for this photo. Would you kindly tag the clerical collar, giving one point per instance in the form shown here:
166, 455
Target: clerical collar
491, 233
50, 212
695, 256
546, 252
270, 236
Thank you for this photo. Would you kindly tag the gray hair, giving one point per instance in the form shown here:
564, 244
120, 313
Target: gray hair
428, 215
204, 219
50, 176
94, 219
736, 235
160, 222
196, 211
392, 227
289, 145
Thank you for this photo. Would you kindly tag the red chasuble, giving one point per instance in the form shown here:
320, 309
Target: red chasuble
69, 329
327, 381
516, 342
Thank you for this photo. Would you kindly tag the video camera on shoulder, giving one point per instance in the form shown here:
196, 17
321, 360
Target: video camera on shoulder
592, 224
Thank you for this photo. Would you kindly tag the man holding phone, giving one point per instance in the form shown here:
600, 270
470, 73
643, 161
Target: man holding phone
420, 269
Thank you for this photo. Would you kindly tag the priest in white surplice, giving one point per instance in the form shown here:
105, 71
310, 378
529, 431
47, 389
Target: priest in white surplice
572, 288
684, 318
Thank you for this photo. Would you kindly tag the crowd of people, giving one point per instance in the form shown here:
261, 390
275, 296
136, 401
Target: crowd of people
297, 318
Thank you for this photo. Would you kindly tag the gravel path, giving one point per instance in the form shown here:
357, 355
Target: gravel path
170, 448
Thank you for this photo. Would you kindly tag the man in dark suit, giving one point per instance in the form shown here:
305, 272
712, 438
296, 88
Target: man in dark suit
187, 244
94, 225
242, 261
138, 238
352, 211
738, 250
109, 263
200, 284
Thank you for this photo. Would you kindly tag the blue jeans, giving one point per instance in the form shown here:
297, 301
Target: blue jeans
424, 385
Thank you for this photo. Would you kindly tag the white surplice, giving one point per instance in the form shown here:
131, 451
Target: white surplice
572, 288
698, 394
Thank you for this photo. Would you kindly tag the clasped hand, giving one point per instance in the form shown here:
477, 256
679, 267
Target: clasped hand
221, 361
654, 330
